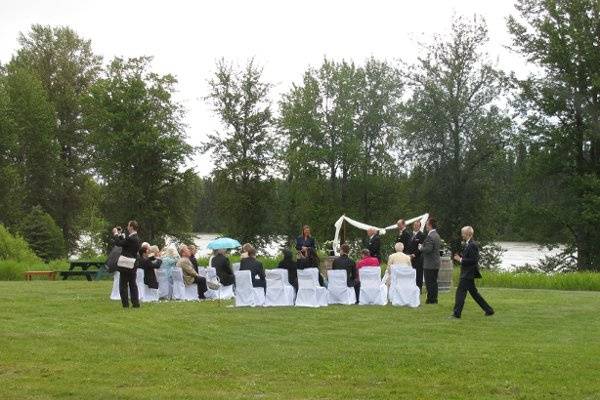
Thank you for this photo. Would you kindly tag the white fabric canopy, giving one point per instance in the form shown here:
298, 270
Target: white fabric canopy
360, 225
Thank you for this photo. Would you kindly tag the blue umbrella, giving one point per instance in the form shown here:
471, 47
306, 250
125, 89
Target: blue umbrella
224, 243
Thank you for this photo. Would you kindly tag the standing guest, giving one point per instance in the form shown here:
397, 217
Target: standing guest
193, 251
417, 238
222, 265
404, 236
291, 266
257, 272
310, 259
374, 243
346, 263
130, 244
431, 260
396, 259
367, 261
305, 240
469, 271
150, 261
190, 276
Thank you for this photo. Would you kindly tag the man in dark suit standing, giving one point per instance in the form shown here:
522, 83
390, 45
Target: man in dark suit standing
469, 270
431, 260
404, 236
131, 244
416, 258
346, 263
374, 243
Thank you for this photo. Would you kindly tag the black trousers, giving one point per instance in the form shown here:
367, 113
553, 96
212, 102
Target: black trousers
431, 283
468, 285
417, 263
127, 281
200, 281
357, 290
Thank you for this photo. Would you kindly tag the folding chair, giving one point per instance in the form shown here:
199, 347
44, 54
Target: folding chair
403, 289
245, 294
372, 290
338, 291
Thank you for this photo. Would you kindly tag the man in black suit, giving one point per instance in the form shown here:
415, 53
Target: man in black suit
374, 243
416, 238
469, 270
404, 236
346, 263
130, 244
223, 267
257, 272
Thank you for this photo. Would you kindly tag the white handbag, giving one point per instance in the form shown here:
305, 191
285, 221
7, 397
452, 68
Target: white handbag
126, 262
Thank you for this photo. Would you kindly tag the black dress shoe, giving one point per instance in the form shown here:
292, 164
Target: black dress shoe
453, 317
489, 313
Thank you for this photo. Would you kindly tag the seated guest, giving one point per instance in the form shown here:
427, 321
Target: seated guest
257, 272
291, 266
193, 250
374, 243
190, 276
222, 265
244, 253
398, 258
346, 263
169, 260
310, 259
305, 241
366, 261
150, 261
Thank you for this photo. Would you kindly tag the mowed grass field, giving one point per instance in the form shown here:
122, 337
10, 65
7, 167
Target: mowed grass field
67, 340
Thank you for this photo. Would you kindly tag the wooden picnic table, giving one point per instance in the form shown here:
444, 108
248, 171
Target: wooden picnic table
82, 268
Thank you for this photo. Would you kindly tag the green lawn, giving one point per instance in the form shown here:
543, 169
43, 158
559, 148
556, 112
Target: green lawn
67, 340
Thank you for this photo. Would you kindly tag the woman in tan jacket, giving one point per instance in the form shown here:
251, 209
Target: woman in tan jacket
397, 259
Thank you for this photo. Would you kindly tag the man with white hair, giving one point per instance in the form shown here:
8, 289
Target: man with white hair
469, 270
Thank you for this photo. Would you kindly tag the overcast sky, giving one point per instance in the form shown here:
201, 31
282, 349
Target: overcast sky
285, 37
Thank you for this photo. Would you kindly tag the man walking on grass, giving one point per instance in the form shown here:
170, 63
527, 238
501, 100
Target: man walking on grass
469, 270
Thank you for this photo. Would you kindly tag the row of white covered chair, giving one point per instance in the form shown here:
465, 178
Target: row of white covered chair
373, 291
174, 288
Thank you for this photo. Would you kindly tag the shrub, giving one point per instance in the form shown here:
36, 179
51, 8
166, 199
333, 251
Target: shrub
43, 235
15, 248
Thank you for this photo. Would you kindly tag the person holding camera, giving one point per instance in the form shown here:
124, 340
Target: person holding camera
130, 244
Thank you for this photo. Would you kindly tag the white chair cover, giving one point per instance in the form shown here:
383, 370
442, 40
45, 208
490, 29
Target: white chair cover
115, 294
245, 294
372, 290
321, 291
279, 291
180, 290
223, 293
307, 290
235, 267
165, 286
139, 280
403, 289
338, 291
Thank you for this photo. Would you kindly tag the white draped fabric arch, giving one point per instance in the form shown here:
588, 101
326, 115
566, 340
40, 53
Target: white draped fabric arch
360, 225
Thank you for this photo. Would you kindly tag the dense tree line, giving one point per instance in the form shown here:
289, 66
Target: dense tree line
89, 144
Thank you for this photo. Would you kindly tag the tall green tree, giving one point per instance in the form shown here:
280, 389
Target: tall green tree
561, 103
67, 67
10, 177
139, 150
243, 149
455, 128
